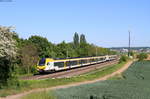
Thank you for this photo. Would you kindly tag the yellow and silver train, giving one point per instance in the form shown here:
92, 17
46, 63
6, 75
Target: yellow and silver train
49, 64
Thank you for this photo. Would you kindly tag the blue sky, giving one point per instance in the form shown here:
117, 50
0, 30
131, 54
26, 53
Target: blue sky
104, 22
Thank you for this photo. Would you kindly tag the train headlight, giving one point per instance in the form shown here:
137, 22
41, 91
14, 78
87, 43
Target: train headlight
41, 67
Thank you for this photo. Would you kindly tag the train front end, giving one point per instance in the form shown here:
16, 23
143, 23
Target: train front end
45, 65
41, 65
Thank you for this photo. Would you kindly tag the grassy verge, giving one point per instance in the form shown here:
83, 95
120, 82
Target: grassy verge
26, 85
25, 75
40, 95
116, 77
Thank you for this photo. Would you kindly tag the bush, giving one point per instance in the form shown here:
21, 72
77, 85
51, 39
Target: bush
4, 70
123, 59
34, 70
7, 72
142, 56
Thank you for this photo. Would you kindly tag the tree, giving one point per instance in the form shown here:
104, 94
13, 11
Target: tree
62, 50
8, 54
45, 48
83, 50
7, 43
82, 39
123, 59
72, 51
29, 57
142, 56
76, 40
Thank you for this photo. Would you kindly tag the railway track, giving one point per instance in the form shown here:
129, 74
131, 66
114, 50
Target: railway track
71, 72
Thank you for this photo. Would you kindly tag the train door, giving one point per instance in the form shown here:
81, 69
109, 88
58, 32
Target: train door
65, 65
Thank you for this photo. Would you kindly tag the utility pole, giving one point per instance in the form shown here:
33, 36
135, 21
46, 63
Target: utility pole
67, 53
96, 50
129, 44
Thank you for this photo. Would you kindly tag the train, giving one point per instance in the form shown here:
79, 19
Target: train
51, 65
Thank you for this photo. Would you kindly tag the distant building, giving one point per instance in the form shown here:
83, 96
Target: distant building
133, 49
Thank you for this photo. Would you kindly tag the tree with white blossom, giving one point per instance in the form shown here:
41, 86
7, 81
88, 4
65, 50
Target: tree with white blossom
8, 51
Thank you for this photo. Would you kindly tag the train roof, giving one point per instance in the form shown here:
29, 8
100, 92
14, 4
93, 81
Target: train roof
76, 57
72, 58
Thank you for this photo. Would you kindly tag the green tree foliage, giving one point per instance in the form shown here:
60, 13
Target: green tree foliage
7, 54
82, 39
123, 59
83, 51
84, 47
61, 50
45, 48
142, 56
131, 53
76, 40
71, 51
29, 57
65, 50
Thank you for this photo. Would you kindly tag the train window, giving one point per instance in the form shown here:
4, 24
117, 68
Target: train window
48, 63
101, 59
59, 64
80, 61
73, 63
93, 60
42, 62
90, 60
83, 61
96, 59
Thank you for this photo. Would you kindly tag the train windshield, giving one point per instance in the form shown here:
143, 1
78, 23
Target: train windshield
42, 62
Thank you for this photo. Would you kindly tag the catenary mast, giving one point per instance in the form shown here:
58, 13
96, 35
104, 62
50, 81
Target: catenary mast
129, 44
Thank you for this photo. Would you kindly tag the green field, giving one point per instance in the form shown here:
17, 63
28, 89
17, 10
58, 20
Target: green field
135, 84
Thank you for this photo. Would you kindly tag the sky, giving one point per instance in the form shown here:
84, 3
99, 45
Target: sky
104, 22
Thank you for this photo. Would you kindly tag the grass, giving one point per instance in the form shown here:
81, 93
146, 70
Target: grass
26, 85
25, 75
116, 77
40, 95
132, 84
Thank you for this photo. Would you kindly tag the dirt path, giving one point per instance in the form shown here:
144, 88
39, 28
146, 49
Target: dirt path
18, 96
148, 58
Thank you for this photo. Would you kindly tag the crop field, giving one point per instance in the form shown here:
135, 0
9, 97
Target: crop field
135, 84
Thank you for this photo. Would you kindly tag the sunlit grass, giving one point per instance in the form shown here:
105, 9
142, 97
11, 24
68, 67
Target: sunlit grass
40, 95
